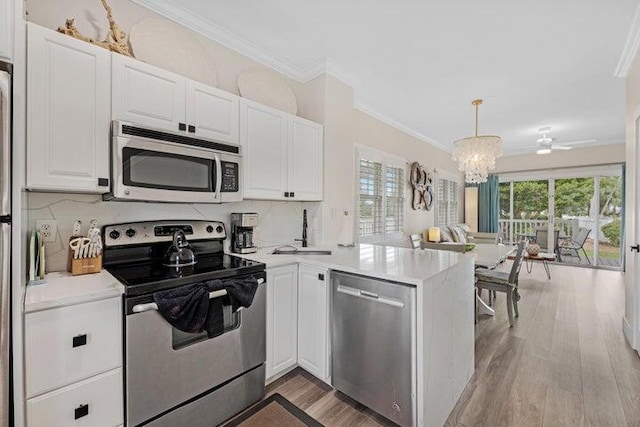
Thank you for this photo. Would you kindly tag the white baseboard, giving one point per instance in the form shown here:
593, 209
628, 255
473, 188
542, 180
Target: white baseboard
628, 333
280, 374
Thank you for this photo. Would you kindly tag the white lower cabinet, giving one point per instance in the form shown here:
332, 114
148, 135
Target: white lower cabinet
91, 403
282, 319
67, 344
313, 321
73, 365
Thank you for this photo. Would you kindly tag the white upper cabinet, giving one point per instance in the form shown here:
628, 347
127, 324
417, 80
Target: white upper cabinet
263, 135
283, 154
68, 117
305, 172
6, 30
150, 96
212, 113
313, 321
282, 319
147, 95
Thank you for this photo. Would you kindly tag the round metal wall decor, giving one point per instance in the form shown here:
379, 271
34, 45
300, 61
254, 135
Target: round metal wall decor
422, 184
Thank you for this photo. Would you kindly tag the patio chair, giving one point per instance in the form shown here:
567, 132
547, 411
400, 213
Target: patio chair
541, 240
498, 281
576, 243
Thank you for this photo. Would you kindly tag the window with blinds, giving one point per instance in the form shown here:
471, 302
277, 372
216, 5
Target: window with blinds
447, 202
380, 198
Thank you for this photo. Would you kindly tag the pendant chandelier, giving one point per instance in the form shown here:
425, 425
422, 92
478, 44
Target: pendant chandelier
476, 155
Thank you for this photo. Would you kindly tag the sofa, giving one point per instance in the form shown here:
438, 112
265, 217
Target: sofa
458, 238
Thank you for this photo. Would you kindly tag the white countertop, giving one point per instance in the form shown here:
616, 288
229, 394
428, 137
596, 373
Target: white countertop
63, 289
384, 262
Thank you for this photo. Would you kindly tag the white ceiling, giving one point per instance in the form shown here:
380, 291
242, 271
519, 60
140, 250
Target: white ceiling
420, 63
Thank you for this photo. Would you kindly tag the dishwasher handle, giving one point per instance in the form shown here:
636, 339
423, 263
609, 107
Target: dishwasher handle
361, 293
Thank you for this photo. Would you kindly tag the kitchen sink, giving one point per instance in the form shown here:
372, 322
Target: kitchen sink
300, 251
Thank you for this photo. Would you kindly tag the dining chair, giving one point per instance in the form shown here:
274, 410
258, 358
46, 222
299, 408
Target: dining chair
415, 240
499, 281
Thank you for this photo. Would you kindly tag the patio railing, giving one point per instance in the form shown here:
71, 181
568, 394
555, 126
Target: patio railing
510, 229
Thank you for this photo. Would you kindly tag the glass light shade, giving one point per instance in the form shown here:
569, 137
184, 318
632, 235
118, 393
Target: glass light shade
476, 156
434, 234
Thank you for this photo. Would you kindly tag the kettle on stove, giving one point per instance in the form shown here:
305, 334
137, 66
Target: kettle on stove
179, 253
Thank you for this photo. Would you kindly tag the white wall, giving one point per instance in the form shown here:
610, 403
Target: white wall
631, 320
374, 133
325, 100
587, 156
90, 19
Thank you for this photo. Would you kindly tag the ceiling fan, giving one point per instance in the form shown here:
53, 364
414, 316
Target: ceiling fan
546, 144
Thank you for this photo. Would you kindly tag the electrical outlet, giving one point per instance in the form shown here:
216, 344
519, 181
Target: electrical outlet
48, 229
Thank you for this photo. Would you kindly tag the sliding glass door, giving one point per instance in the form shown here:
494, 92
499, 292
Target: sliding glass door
575, 218
608, 244
583, 205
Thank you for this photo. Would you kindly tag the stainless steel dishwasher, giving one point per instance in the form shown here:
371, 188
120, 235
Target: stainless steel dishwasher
373, 344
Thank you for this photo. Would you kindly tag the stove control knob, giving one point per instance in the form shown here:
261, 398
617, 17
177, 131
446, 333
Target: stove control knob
114, 234
130, 232
209, 229
219, 229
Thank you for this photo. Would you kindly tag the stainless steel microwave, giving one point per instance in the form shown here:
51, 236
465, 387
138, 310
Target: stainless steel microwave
160, 166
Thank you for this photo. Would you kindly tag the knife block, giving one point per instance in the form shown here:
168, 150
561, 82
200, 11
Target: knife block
84, 265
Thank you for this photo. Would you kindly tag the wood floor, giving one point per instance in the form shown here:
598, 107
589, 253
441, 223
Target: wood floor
565, 363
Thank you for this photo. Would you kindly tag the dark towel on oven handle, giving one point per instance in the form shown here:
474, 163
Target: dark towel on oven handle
240, 292
189, 308
185, 307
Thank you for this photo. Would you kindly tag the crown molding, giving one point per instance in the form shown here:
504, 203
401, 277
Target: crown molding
174, 12
396, 124
631, 46
171, 10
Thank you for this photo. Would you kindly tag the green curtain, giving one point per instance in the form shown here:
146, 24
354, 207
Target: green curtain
488, 204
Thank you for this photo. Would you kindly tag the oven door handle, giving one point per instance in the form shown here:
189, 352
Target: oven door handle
140, 308
217, 194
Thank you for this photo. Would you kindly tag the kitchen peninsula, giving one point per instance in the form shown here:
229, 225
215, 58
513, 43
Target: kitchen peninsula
441, 333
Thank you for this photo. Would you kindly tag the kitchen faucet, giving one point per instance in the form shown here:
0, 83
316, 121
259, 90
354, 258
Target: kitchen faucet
304, 229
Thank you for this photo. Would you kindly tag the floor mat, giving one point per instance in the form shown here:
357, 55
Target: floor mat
274, 411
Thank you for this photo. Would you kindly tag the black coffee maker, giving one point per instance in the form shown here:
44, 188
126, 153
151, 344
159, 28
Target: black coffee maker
242, 225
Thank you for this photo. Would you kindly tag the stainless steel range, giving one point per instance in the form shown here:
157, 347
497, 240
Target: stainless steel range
173, 377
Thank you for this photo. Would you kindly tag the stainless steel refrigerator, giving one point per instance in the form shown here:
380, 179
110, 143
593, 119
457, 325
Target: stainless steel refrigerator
5, 244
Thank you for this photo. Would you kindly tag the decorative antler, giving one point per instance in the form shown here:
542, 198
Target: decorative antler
116, 40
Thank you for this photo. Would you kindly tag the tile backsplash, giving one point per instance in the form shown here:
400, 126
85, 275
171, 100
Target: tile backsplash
278, 222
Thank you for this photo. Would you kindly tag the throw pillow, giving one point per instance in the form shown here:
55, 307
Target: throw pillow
458, 234
445, 235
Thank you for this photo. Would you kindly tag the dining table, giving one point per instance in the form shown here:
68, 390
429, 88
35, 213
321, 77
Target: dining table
486, 255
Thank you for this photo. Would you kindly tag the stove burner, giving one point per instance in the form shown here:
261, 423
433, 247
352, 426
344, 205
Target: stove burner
139, 264
146, 277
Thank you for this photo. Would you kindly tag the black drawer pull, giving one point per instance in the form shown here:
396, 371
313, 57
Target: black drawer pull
182, 126
286, 194
292, 194
81, 411
320, 276
103, 182
80, 340
192, 129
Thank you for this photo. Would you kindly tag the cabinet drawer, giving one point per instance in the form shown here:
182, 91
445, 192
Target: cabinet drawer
68, 344
91, 403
